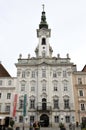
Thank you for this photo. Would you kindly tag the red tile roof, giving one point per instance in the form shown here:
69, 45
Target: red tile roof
3, 71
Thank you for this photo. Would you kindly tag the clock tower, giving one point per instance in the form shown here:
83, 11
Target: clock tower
43, 50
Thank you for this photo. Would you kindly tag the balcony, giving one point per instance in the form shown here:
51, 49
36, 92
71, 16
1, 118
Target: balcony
67, 107
44, 108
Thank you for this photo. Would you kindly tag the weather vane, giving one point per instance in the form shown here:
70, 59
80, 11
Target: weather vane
43, 7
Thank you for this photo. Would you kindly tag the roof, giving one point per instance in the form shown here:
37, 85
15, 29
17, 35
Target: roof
84, 69
3, 71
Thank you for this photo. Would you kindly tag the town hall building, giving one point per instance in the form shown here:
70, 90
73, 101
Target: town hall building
46, 87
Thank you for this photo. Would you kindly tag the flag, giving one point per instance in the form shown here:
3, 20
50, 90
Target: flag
14, 105
25, 103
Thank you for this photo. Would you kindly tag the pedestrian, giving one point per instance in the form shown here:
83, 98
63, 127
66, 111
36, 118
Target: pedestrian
73, 126
36, 125
70, 126
31, 126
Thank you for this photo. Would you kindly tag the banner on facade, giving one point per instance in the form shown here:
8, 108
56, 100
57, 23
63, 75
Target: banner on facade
14, 105
25, 104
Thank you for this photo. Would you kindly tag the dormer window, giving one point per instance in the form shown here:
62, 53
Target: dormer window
43, 41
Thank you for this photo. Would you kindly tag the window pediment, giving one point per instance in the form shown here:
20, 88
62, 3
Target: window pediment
66, 97
55, 97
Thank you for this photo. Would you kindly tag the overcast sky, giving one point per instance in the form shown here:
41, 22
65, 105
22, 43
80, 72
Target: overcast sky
19, 20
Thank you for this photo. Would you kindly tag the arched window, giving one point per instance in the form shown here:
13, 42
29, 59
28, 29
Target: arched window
43, 41
44, 105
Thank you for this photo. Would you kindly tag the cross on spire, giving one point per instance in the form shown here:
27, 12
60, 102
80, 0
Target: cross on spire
43, 23
43, 7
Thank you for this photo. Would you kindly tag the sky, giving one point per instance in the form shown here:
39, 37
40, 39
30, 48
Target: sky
19, 20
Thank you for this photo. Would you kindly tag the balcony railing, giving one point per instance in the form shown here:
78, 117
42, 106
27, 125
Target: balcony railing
41, 108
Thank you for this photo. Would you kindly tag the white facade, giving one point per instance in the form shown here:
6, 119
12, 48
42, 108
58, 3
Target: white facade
47, 83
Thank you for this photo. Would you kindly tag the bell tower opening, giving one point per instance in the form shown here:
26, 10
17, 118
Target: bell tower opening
43, 41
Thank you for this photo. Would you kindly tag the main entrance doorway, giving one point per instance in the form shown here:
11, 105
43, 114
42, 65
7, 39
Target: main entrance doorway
44, 120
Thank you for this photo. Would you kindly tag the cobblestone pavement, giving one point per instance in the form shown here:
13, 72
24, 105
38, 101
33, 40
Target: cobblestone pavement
48, 128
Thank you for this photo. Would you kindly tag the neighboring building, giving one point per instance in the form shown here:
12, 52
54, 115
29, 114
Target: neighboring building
45, 88
7, 90
80, 94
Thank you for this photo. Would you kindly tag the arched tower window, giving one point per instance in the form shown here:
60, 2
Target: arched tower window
43, 41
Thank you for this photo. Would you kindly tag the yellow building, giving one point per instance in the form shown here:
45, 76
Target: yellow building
79, 78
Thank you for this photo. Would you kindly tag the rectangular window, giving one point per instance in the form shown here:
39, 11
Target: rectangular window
33, 88
0, 107
54, 74
0, 95
22, 88
0, 82
56, 119
55, 87
80, 93
44, 86
83, 107
64, 74
8, 95
67, 119
21, 104
43, 73
23, 74
31, 118
7, 108
33, 74
66, 104
56, 104
32, 104
65, 86
79, 80
20, 119
9, 82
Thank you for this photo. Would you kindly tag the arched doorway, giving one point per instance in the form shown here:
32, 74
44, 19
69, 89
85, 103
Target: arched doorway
44, 120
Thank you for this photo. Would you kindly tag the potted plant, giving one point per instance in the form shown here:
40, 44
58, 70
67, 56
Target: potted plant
61, 126
11, 122
10, 128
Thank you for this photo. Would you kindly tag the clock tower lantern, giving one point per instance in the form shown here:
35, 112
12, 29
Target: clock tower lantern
43, 50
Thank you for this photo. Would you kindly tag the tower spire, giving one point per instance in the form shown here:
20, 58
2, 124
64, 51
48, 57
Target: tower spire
43, 7
43, 23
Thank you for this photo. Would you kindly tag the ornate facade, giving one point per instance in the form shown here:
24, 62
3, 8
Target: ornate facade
45, 88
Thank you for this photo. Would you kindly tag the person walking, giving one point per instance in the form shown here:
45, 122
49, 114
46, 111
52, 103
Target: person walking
36, 125
31, 126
